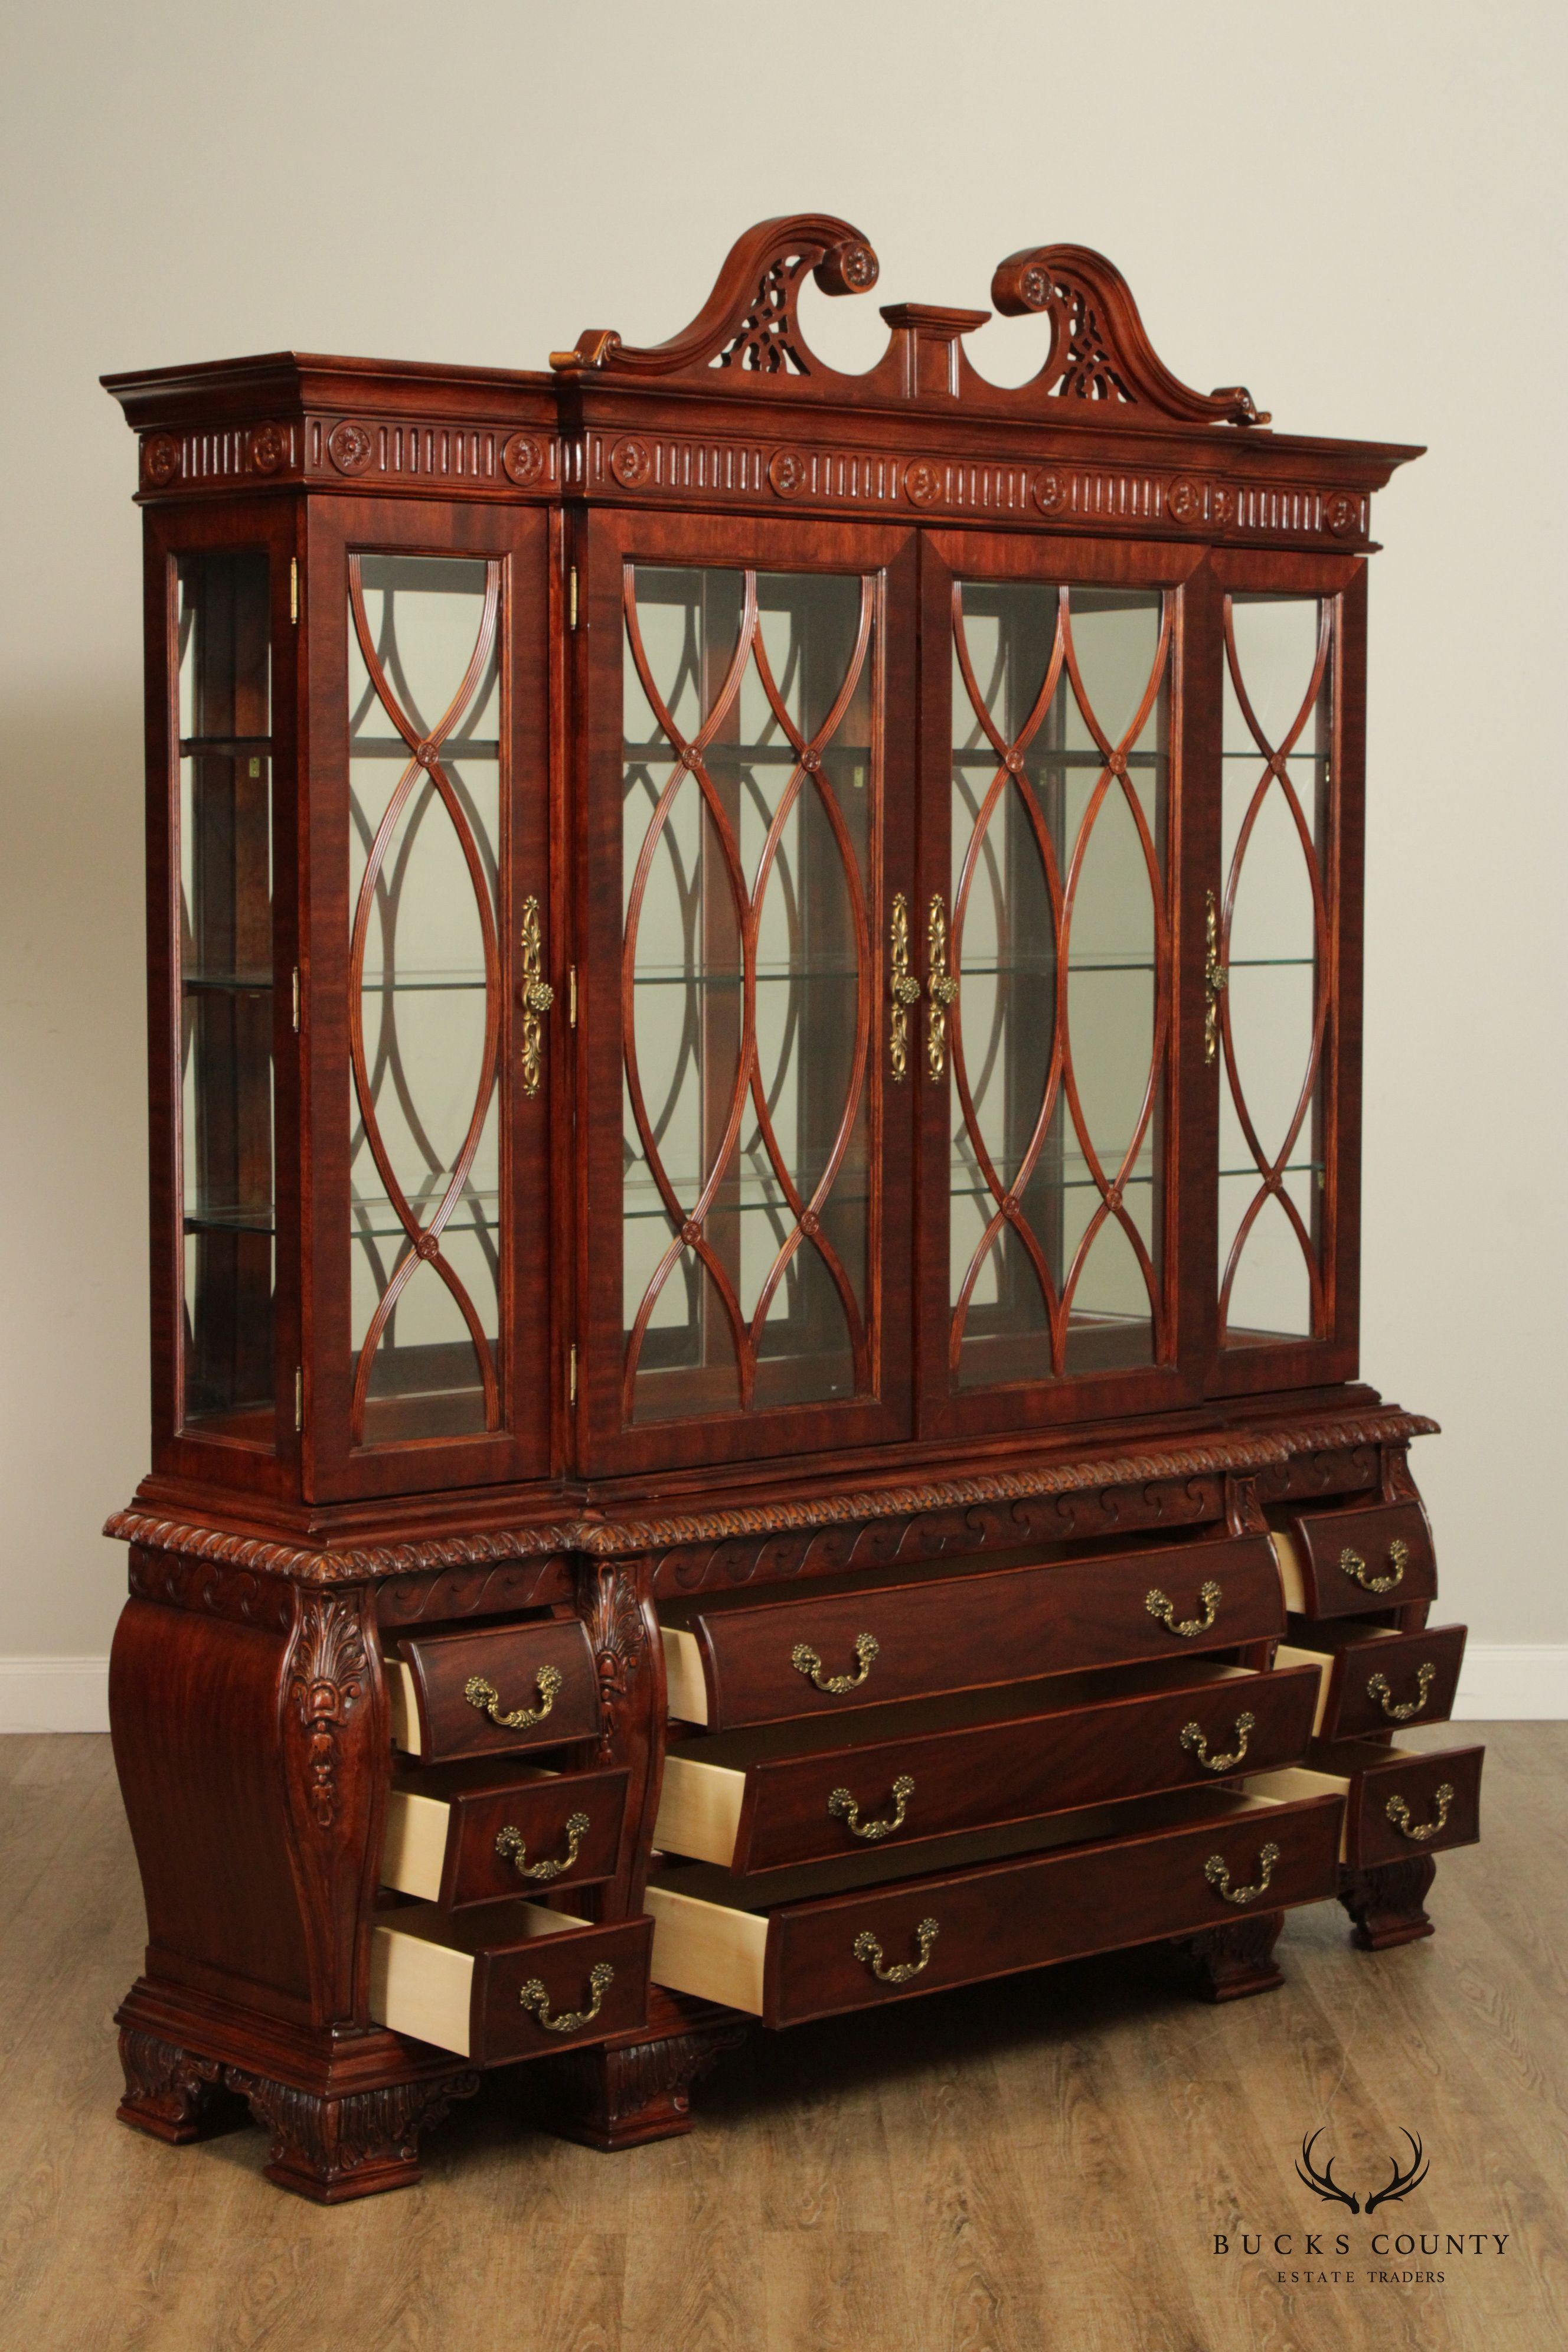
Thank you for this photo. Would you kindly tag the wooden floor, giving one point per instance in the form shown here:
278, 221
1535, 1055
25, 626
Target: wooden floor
1043, 2162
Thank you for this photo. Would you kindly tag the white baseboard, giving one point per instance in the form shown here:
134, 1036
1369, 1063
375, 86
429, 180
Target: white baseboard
1503, 1682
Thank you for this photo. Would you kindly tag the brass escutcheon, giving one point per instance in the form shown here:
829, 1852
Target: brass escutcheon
1352, 1565
534, 1997
1216, 978
842, 1806
485, 1696
1217, 1872
510, 1846
1377, 1688
804, 1661
903, 987
1192, 1736
868, 1950
1398, 1812
941, 989
1155, 1602
536, 994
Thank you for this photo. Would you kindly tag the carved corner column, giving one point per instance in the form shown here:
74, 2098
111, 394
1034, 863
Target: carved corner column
1388, 1904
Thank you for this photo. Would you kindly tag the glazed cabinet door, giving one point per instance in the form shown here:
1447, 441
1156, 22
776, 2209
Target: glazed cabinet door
1055, 952
746, 1068
1283, 917
427, 996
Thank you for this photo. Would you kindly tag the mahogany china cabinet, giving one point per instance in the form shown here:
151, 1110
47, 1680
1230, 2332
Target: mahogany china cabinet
755, 985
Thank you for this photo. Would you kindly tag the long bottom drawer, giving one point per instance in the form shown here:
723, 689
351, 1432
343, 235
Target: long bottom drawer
1193, 1861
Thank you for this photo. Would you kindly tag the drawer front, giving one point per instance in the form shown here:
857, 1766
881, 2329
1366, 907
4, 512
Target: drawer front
496, 1691
1407, 1802
478, 1845
893, 1943
1397, 1678
1348, 1561
811, 1657
817, 1807
555, 1993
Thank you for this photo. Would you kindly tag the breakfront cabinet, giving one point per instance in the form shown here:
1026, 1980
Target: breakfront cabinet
754, 998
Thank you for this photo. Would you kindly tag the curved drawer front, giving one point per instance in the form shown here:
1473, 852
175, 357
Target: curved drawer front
832, 1652
1339, 1564
1376, 1680
1401, 1802
513, 1980
723, 1802
1229, 1857
456, 1845
494, 1690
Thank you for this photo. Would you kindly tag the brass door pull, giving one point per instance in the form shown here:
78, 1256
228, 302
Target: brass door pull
510, 1846
942, 990
1398, 1812
868, 1950
1352, 1565
842, 1806
903, 987
485, 1696
535, 996
1192, 1738
1377, 1688
534, 1996
804, 1661
1217, 1871
1216, 978
1187, 1628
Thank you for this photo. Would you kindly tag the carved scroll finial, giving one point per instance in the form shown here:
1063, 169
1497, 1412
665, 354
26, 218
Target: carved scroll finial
749, 321
1099, 350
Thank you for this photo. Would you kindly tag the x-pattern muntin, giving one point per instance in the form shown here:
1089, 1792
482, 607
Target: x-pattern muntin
690, 760
1060, 1079
424, 1238
1275, 771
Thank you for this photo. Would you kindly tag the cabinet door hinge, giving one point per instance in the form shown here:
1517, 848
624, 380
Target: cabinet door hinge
294, 590
571, 597
298, 1396
296, 1000
572, 996
572, 1373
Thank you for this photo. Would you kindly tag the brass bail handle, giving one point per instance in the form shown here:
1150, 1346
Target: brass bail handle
842, 1807
535, 996
868, 1951
1352, 1565
1398, 1812
1193, 1739
942, 990
486, 1698
1216, 978
903, 988
1186, 1629
1217, 1871
534, 1997
1377, 1688
511, 1848
804, 1661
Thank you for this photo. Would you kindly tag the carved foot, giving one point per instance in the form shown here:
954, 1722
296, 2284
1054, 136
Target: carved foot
1238, 1959
1388, 1904
170, 2092
620, 2095
353, 2145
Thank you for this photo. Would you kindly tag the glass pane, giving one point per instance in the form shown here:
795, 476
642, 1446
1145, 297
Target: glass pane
225, 988
749, 810
425, 804
1060, 947
1276, 783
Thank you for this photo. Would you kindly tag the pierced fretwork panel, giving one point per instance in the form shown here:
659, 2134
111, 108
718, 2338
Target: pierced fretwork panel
1273, 937
1060, 946
426, 800
751, 801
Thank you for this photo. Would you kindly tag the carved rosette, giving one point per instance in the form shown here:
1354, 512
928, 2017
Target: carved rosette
160, 458
924, 482
631, 463
268, 448
523, 457
326, 1684
349, 447
1341, 513
788, 472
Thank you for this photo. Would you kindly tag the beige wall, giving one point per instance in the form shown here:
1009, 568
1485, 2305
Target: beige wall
1354, 208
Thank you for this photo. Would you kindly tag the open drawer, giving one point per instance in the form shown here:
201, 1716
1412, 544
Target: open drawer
1091, 1883
780, 1794
493, 1689
1336, 1563
1373, 1678
1399, 1801
511, 1980
477, 1833
732, 1661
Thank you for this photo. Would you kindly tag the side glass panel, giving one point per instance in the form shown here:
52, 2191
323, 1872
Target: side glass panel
426, 794
225, 992
751, 823
1273, 1006
1060, 953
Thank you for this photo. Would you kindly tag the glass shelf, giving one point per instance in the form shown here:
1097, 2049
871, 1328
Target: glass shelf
1045, 756
259, 1220
401, 984
744, 1194
662, 753
376, 1219
228, 747
1269, 963
226, 983
392, 747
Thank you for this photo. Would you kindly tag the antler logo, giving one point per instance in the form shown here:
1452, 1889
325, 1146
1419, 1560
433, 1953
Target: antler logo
1323, 2184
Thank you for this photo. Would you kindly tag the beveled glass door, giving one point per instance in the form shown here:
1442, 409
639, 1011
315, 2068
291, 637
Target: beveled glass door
1047, 919
744, 994
431, 1234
